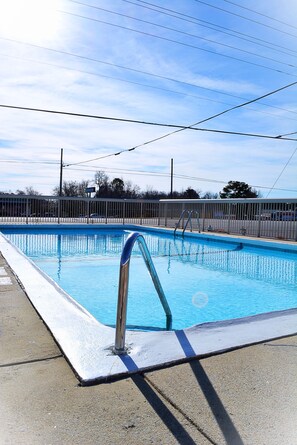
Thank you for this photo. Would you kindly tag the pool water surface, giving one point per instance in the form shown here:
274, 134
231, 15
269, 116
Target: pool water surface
203, 280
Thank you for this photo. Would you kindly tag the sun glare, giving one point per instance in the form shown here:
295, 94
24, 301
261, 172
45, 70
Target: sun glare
29, 20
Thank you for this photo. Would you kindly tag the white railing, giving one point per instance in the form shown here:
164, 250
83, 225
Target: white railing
268, 218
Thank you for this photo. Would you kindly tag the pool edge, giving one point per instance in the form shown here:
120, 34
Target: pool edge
86, 343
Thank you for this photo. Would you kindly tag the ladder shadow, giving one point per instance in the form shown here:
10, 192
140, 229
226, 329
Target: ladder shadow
164, 413
218, 410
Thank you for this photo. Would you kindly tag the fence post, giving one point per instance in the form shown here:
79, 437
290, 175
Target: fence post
88, 211
259, 222
165, 214
27, 209
229, 217
159, 213
203, 219
124, 208
59, 209
183, 220
106, 211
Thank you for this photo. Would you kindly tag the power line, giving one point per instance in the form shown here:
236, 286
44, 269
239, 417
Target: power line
184, 44
246, 18
176, 131
287, 134
122, 67
136, 71
14, 161
205, 24
179, 127
197, 123
138, 172
166, 175
177, 31
282, 171
156, 87
259, 13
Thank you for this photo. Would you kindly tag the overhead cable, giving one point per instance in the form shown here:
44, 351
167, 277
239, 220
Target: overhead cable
198, 123
166, 175
186, 45
138, 71
282, 171
204, 23
259, 13
287, 134
134, 121
179, 32
246, 18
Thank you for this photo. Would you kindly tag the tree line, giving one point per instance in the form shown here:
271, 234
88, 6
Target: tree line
117, 188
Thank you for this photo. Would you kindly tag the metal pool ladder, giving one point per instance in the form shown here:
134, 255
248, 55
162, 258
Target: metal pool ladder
119, 347
190, 213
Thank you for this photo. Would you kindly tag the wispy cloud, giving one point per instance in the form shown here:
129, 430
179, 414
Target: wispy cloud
205, 85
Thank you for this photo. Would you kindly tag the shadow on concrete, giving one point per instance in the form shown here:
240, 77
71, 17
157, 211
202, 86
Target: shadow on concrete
220, 414
174, 426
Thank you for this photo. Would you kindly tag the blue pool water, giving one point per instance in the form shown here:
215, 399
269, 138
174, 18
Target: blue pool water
203, 280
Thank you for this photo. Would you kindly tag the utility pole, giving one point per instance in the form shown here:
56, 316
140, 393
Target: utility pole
171, 179
61, 173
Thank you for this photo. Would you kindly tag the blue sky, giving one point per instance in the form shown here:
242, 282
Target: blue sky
171, 62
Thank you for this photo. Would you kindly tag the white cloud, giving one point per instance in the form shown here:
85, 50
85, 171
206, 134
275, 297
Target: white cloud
39, 137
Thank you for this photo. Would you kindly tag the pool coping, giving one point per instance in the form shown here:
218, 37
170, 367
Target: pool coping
87, 344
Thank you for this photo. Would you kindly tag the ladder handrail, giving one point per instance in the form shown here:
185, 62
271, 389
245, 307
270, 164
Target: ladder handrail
189, 220
119, 347
182, 215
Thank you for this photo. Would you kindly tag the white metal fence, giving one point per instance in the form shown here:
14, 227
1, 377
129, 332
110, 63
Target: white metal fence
251, 217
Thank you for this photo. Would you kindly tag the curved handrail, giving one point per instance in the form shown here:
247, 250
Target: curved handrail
189, 220
182, 215
119, 347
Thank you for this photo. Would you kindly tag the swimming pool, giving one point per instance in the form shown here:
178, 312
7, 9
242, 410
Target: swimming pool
204, 280
88, 343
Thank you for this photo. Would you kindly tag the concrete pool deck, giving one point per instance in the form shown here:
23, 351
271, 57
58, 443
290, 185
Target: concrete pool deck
247, 396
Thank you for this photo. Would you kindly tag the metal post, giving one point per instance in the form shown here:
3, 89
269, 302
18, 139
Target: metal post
183, 213
59, 209
88, 211
229, 217
203, 220
27, 209
259, 222
119, 347
61, 173
159, 213
165, 214
171, 178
